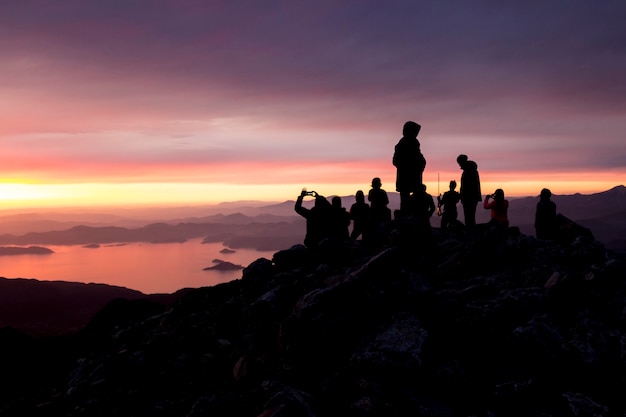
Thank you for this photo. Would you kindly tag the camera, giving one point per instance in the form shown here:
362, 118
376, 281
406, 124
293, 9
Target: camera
311, 193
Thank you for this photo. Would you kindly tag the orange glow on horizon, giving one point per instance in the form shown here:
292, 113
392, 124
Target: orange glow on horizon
343, 182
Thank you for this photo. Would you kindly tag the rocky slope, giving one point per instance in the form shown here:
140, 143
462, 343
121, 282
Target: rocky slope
447, 324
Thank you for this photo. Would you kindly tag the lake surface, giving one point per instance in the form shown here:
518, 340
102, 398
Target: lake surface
149, 268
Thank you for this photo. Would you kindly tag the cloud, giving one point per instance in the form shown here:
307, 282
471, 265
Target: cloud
129, 89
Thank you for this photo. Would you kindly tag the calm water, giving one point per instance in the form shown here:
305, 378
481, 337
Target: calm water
149, 268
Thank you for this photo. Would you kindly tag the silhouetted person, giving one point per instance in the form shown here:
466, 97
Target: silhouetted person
410, 164
470, 189
499, 208
413, 232
359, 214
422, 205
545, 216
449, 201
380, 214
378, 202
316, 219
339, 220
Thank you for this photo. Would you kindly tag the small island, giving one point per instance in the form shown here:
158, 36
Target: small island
223, 266
31, 250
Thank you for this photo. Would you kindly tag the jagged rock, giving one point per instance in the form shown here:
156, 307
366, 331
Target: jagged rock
292, 258
583, 406
456, 325
397, 349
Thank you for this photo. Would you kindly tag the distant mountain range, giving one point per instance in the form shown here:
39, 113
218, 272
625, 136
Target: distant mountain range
603, 213
236, 231
277, 226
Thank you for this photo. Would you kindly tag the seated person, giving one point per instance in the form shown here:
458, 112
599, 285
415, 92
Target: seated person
499, 208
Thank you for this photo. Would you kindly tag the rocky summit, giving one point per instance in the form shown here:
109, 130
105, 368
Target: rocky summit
428, 324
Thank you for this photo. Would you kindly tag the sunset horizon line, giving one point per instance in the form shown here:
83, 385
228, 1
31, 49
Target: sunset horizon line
17, 208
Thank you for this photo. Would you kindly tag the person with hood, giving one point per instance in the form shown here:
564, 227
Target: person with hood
410, 164
470, 189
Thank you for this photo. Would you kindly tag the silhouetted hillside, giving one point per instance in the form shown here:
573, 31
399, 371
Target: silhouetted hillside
52, 307
451, 324
46, 308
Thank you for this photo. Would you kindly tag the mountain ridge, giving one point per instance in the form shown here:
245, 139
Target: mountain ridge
275, 226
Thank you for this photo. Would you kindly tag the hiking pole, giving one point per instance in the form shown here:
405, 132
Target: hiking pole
438, 197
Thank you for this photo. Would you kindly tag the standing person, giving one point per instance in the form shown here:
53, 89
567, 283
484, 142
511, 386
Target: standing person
448, 202
499, 208
545, 216
339, 220
379, 200
410, 164
423, 206
380, 214
359, 214
470, 189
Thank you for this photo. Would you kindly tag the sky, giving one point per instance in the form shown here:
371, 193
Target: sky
158, 102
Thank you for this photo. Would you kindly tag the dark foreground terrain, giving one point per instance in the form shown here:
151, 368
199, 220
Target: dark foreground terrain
444, 325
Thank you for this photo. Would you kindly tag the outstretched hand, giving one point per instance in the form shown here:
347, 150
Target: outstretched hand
311, 193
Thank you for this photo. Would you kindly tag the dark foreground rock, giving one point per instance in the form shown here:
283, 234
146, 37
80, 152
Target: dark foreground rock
441, 325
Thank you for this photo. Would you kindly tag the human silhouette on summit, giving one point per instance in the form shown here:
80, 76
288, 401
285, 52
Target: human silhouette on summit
359, 214
545, 216
410, 164
422, 206
499, 208
449, 201
339, 220
379, 200
380, 214
317, 218
470, 189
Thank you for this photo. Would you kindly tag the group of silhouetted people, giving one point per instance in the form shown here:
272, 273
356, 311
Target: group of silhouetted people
331, 221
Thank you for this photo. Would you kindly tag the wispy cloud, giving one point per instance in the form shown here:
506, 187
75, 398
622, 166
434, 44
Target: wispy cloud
131, 89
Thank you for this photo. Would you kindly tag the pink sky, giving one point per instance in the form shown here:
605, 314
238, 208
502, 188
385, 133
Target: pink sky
153, 102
